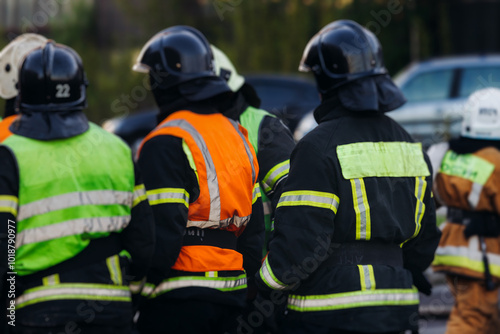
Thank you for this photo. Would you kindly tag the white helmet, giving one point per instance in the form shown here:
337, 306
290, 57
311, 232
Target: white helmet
225, 69
482, 115
10, 59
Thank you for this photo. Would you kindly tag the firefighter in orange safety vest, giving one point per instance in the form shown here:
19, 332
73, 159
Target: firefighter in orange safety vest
467, 181
201, 176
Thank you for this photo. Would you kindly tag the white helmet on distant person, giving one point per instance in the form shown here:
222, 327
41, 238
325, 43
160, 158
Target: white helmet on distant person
482, 115
224, 68
10, 60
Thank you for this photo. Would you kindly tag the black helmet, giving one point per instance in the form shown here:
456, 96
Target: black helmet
52, 78
341, 52
176, 55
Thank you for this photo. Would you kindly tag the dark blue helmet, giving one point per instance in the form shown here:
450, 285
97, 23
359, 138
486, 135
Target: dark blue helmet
341, 52
52, 78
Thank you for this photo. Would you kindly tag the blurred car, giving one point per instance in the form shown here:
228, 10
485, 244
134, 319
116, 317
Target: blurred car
436, 91
288, 97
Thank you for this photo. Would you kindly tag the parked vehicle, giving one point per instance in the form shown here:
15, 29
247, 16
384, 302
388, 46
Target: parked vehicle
288, 97
436, 91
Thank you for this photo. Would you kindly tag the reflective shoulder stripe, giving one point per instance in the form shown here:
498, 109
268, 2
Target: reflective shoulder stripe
225, 284
268, 277
310, 198
66, 291
9, 204
212, 179
387, 159
420, 187
467, 166
71, 227
362, 209
139, 194
79, 198
365, 298
247, 148
275, 174
168, 195
256, 193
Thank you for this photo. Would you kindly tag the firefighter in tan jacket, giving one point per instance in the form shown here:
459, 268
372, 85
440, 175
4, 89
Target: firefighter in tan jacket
468, 183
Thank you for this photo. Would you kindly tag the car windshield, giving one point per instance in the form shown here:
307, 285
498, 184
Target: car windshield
477, 78
428, 86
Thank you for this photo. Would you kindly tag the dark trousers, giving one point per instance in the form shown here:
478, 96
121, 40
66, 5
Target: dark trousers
71, 328
188, 316
300, 327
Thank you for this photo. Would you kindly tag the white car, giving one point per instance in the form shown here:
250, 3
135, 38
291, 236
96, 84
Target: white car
436, 91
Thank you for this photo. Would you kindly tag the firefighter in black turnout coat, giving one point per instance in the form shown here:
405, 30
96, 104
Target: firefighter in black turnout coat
355, 226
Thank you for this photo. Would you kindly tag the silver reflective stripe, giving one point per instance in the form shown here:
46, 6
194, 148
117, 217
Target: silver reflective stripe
71, 227
256, 193
237, 221
212, 181
360, 204
420, 203
69, 200
366, 276
266, 274
72, 293
275, 175
475, 194
201, 282
351, 300
247, 148
139, 194
8, 204
472, 252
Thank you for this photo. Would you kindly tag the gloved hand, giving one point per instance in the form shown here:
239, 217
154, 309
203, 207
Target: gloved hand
487, 228
421, 282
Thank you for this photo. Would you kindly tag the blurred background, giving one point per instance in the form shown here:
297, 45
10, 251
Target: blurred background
260, 36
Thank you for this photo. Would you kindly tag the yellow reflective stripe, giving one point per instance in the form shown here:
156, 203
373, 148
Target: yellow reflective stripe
113, 263
139, 194
346, 300
9, 204
65, 291
51, 280
469, 257
362, 209
168, 195
211, 274
309, 198
256, 193
366, 277
420, 187
275, 174
268, 277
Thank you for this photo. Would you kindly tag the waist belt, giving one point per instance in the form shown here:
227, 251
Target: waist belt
194, 236
465, 217
367, 252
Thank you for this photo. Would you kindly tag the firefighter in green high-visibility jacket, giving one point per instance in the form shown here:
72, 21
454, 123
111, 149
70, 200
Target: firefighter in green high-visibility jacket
271, 139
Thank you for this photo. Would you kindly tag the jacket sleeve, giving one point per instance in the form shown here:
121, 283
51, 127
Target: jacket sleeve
251, 240
139, 236
171, 185
275, 147
418, 253
9, 192
304, 221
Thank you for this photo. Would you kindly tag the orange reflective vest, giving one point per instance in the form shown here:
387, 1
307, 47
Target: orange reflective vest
227, 170
469, 182
4, 127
